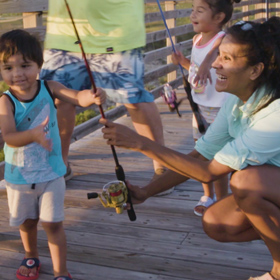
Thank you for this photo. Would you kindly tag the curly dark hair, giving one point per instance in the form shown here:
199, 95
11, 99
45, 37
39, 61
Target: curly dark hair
262, 44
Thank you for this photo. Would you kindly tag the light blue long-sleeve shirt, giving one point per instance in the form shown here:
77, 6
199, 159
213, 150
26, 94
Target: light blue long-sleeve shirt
237, 138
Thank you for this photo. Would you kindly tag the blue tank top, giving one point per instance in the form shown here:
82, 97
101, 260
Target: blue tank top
32, 163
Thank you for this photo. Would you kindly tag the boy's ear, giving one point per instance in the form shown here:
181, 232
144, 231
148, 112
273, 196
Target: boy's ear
220, 17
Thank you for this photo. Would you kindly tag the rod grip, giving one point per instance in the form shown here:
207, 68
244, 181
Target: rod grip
194, 106
121, 176
130, 212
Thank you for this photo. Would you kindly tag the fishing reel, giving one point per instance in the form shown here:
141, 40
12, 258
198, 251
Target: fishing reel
170, 98
114, 194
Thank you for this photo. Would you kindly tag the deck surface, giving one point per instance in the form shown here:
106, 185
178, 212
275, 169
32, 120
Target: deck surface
165, 242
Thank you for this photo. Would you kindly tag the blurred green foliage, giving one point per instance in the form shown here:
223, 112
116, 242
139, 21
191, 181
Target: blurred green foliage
3, 87
2, 157
85, 116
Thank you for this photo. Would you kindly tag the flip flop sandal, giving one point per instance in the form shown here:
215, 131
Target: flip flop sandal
204, 201
63, 277
266, 276
29, 263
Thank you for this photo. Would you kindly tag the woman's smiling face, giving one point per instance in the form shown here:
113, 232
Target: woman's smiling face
234, 75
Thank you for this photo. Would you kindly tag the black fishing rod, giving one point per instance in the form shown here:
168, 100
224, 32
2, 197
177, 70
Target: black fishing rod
187, 87
118, 169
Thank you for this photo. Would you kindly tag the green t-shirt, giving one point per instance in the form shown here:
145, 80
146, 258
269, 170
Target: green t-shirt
103, 25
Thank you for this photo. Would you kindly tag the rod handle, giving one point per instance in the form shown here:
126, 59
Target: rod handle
121, 176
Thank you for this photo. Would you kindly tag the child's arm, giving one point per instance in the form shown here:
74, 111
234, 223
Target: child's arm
14, 138
179, 58
204, 69
82, 98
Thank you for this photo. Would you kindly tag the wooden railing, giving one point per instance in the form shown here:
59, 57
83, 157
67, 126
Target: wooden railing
32, 12
32, 20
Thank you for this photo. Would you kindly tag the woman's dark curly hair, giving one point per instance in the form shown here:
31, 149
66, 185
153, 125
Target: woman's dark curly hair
262, 44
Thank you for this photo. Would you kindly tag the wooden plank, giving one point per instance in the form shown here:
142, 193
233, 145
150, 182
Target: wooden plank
162, 34
163, 52
156, 16
23, 6
160, 71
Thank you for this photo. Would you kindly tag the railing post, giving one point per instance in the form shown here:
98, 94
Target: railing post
171, 23
262, 14
278, 7
245, 9
31, 20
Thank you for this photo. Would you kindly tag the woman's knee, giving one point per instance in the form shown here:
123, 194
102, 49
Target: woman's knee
212, 225
241, 183
245, 186
222, 220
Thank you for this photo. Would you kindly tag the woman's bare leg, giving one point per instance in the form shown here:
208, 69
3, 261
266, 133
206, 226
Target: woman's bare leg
252, 212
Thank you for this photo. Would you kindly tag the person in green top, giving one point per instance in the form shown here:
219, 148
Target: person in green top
113, 34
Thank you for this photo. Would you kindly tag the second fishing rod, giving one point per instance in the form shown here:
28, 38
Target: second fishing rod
187, 87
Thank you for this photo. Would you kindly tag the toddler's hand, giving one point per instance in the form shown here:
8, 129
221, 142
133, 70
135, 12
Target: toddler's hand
99, 96
39, 135
177, 58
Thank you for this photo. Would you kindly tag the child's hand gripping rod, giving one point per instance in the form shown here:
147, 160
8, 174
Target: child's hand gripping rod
118, 169
186, 84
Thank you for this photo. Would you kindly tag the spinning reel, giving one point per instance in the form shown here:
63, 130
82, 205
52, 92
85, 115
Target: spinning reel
170, 98
114, 194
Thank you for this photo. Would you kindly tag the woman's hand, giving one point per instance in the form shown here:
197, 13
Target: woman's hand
120, 135
138, 195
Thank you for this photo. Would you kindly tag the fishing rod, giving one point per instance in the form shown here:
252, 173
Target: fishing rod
187, 87
119, 194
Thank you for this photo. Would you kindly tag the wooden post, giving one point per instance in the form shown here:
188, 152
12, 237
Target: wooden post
262, 14
278, 7
31, 20
171, 23
245, 9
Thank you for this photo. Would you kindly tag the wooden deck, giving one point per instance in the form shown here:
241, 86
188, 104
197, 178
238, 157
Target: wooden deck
165, 242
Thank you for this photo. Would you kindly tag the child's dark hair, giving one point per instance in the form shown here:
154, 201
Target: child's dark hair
222, 6
262, 42
19, 41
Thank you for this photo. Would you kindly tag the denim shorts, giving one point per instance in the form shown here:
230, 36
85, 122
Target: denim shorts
43, 200
119, 74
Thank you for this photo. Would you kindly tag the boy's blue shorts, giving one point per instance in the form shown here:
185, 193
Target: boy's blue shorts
119, 74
